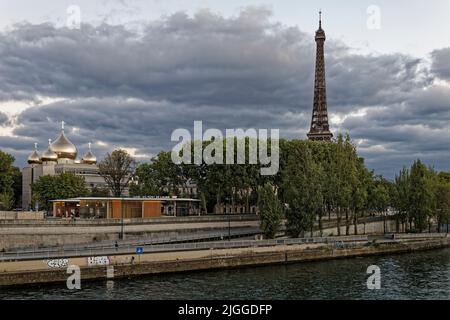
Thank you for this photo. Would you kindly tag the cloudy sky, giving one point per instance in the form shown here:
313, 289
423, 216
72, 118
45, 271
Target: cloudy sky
134, 71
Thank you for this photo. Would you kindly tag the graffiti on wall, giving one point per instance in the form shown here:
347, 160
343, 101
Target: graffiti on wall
57, 263
98, 261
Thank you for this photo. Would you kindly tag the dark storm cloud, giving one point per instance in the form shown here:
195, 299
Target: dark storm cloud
441, 63
206, 59
201, 60
146, 126
132, 89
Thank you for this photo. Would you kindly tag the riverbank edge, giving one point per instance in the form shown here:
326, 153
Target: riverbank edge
248, 258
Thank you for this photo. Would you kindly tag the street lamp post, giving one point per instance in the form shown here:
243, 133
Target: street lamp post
121, 228
447, 225
229, 227
121, 223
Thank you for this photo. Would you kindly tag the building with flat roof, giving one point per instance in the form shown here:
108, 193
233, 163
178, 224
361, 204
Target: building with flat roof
129, 208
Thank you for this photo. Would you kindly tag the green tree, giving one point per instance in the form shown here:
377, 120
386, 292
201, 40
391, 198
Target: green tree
98, 192
148, 184
343, 171
442, 199
6, 201
270, 210
117, 168
10, 178
62, 186
168, 176
401, 197
379, 194
17, 186
421, 195
303, 185
362, 180
219, 183
6, 167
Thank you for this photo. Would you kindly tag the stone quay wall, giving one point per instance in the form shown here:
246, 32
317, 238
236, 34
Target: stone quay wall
186, 261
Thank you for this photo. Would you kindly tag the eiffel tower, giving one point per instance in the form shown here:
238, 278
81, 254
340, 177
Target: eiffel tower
320, 130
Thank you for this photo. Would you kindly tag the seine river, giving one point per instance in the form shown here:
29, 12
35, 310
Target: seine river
423, 275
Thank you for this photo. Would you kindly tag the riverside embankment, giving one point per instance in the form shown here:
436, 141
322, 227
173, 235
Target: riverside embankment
21, 234
248, 253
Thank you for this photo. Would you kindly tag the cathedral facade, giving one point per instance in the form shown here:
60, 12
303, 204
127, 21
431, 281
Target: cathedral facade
60, 157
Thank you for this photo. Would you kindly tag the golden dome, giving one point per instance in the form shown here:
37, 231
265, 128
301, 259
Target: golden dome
89, 157
63, 147
49, 155
34, 157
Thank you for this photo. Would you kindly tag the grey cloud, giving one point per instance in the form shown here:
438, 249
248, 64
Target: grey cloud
441, 63
3, 119
133, 89
205, 59
146, 126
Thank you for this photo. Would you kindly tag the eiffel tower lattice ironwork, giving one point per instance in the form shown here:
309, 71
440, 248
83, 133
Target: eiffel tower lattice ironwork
320, 130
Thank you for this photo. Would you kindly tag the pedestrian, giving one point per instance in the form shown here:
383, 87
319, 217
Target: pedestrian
116, 245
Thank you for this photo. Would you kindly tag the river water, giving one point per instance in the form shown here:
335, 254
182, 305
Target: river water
422, 275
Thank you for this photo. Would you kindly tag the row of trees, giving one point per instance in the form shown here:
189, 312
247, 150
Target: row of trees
10, 182
315, 179
320, 179
421, 195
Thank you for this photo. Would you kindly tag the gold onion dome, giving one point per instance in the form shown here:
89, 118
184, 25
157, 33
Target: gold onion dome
89, 157
34, 157
49, 155
63, 147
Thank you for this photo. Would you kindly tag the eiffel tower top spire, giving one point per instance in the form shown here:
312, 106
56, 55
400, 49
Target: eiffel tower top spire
320, 19
320, 130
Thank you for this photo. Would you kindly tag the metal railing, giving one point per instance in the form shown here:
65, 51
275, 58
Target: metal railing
131, 221
149, 247
68, 250
152, 247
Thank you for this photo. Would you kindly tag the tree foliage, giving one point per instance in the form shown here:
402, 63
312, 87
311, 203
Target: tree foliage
62, 186
117, 168
303, 184
10, 181
270, 210
421, 196
315, 180
6, 201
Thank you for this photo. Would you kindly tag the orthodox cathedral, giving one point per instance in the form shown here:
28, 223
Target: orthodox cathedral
60, 157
